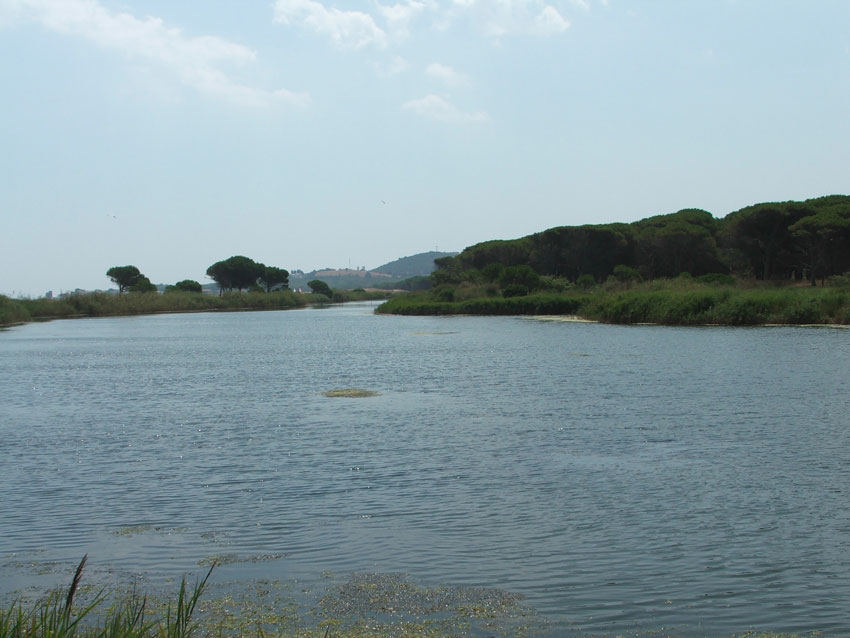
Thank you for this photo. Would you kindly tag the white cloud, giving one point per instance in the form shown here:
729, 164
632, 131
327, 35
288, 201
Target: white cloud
394, 67
289, 97
346, 29
514, 17
446, 74
357, 29
549, 21
436, 108
195, 60
399, 16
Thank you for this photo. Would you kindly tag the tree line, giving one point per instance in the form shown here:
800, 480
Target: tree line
237, 272
807, 240
242, 273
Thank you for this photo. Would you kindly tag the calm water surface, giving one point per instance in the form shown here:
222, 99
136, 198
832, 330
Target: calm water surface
621, 478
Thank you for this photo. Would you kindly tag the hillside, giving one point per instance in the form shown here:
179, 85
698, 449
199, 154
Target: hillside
420, 265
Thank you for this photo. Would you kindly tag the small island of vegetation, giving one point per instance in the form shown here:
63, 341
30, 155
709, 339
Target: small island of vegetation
784, 263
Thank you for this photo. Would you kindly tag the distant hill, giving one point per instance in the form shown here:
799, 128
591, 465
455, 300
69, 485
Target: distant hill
420, 265
345, 278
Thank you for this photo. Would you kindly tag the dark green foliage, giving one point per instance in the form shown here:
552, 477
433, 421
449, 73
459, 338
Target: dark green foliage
716, 278
237, 272
320, 288
519, 277
123, 276
273, 277
569, 251
667, 245
824, 240
12, 312
492, 272
512, 252
444, 293
515, 290
586, 282
449, 271
673, 302
539, 304
626, 274
790, 240
187, 285
414, 283
143, 284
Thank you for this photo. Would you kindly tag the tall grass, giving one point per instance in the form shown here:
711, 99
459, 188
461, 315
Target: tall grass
100, 304
12, 311
56, 617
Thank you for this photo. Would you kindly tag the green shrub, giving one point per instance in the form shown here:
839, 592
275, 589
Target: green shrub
492, 272
716, 278
12, 312
523, 276
624, 274
586, 281
444, 293
514, 290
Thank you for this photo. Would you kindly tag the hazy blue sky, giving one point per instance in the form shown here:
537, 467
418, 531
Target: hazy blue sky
170, 134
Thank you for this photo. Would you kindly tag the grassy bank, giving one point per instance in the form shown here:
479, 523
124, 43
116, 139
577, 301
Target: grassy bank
109, 305
98, 304
669, 302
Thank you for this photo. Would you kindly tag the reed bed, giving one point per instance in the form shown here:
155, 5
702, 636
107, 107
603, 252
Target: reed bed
99, 304
56, 617
670, 302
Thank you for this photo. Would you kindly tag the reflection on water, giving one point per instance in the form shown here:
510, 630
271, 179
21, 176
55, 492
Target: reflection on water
620, 478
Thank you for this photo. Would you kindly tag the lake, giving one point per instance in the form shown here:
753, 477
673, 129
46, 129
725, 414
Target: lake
623, 479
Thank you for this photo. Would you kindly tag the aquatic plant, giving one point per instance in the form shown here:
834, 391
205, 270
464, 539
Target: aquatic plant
351, 393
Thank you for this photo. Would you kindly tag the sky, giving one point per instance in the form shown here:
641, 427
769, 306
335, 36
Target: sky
308, 134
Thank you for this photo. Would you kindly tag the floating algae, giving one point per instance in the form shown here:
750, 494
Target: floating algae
426, 333
230, 559
133, 530
359, 606
390, 605
351, 393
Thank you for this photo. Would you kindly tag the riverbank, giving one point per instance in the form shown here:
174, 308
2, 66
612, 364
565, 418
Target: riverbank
99, 304
665, 302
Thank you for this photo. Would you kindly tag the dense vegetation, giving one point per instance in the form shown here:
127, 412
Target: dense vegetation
680, 301
682, 268
101, 304
129, 278
797, 241
241, 272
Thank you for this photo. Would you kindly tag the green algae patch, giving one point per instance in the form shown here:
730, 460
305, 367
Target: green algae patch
230, 559
377, 605
135, 530
431, 333
351, 393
